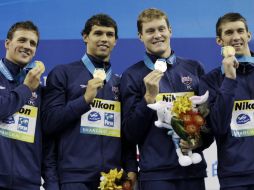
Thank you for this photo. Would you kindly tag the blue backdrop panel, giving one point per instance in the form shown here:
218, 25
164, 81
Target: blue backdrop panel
64, 19
126, 52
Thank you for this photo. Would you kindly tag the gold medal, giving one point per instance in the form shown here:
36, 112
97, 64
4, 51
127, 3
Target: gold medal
40, 65
99, 73
227, 51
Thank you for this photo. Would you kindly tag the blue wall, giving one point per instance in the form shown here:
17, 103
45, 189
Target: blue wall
60, 23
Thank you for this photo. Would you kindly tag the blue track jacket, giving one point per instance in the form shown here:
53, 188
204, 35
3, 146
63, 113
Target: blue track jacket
81, 157
21, 162
158, 158
235, 154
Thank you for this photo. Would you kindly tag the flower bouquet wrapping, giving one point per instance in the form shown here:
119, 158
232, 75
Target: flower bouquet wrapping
115, 180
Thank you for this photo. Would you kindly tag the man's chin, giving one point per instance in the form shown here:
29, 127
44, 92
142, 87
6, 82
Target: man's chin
158, 52
239, 52
102, 55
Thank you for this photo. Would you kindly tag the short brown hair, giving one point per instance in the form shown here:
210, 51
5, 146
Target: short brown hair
229, 17
24, 25
99, 20
150, 14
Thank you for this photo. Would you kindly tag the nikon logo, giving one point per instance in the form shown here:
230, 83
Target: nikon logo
244, 106
25, 111
168, 98
100, 105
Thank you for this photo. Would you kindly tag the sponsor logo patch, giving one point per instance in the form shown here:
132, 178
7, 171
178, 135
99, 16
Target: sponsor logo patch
9, 120
109, 119
23, 124
242, 119
94, 116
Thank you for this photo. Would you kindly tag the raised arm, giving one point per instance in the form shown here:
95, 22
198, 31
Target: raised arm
221, 101
137, 117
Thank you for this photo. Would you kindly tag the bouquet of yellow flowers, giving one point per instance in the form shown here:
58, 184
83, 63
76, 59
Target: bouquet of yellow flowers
188, 120
115, 180
184, 119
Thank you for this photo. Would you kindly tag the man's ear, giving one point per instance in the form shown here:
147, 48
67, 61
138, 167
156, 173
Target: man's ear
140, 37
170, 31
6, 44
249, 36
219, 41
85, 38
115, 42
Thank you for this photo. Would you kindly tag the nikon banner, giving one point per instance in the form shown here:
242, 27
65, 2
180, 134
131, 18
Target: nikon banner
103, 119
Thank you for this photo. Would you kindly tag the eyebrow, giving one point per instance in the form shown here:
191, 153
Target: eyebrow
25, 38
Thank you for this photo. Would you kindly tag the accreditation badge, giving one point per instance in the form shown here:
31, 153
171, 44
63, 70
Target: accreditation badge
20, 126
170, 97
104, 118
242, 121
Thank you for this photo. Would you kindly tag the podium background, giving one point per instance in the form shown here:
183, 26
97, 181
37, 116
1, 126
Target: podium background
61, 21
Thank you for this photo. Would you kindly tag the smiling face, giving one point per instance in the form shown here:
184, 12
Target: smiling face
156, 37
22, 47
100, 42
235, 34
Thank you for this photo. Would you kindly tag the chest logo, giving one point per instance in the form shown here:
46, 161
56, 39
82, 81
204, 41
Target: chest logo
187, 81
83, 86
2, 88
32, 100
115, 91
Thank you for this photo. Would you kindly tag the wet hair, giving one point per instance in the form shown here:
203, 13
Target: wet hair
100, 20
23, 25
229, 17
150, 14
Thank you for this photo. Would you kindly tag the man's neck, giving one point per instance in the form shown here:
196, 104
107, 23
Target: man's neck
99, 63
14, 62
165, 54
245, 53
98, 59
